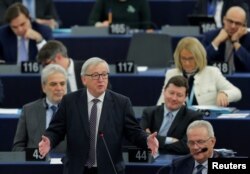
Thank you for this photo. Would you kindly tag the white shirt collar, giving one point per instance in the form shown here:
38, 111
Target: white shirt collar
70, 69
91, 97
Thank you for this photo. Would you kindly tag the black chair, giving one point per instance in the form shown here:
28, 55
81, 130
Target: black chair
151, 49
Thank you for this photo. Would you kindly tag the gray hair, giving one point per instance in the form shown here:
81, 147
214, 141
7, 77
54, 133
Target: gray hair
202, 123
92, 61
50, 50
51, 69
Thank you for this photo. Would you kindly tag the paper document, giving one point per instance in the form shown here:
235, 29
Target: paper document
9, 111
235, 115
214, 108
55, 161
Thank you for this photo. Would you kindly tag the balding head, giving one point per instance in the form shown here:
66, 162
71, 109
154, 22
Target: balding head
237, 13
234, 19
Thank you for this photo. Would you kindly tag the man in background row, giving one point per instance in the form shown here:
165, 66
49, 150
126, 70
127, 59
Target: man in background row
172, 118
1, 93
36, 116
21, 38
218, 8
42, 11
201, 142
55, 52
230, 43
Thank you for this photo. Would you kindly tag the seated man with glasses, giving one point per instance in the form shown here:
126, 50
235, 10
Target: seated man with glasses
230, 44
201, 142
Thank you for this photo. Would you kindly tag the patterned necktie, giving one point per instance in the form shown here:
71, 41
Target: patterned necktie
229, 56
166, 124
68, 87
22, 50
199, 168
54, 109
92, 128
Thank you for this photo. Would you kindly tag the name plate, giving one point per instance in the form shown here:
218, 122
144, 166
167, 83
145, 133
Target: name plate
117, 29
30, 67
206, 26
223, 66
138, 155
32, 154
125, 67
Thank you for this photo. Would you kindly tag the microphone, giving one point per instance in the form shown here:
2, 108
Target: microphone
106, 147
200, 151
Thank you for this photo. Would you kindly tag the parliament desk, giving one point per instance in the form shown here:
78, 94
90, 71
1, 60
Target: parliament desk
112, 48
76, 12
143, 88
23, 167
230, 133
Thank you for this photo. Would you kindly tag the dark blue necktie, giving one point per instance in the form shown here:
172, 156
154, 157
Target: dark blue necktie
22, 50
199, 168
92, 129
54, 109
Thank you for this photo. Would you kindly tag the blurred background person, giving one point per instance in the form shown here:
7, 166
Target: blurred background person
201, 141
230, 43
36, 116
21, 38
55, 52
172, 118
218, 8
207, 85
133, 13
1, 93
42, 11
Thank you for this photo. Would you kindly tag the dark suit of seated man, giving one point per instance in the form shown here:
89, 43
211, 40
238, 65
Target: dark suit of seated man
36, 116
1, 93
201, 142
172, 135
231, 43
21, 38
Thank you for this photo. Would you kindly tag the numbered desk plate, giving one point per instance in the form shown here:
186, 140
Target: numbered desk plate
139, 155
125, 67
223, 66
118, 29
30, 67
32, 154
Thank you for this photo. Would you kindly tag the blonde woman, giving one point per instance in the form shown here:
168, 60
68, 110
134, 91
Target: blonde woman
207, 85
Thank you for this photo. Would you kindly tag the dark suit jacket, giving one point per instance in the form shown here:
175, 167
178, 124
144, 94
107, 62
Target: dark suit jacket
31, 126
78, 66
185, 164
241, 57
8, 42
202, 5
1, 92
117, 120
152, 118
45, 9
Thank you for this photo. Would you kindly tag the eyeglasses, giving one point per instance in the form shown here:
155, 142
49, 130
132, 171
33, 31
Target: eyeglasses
96, 76
230, 21
198, 142
189, 59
